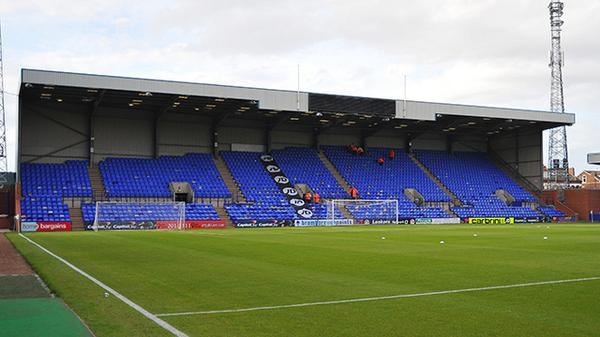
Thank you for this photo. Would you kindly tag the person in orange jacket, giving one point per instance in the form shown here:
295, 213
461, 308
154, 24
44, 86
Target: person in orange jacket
308, 197
380, 161
316, 198
392, 154
353, 192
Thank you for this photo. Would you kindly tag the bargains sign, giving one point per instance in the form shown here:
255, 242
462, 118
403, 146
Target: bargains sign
46, 226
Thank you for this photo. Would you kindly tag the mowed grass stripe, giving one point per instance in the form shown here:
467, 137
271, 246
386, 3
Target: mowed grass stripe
285, 267
168, 272
382, 298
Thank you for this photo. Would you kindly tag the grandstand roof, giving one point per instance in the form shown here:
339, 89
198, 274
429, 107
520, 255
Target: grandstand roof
277, 108
594, 158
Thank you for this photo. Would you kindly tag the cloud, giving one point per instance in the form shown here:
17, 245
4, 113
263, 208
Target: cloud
485, 52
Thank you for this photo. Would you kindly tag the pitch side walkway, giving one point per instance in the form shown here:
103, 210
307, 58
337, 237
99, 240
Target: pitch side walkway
26, 306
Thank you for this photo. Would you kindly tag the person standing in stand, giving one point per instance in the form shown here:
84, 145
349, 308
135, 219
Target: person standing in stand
316, 198
308, 197
380, 161
392, 154
353, 192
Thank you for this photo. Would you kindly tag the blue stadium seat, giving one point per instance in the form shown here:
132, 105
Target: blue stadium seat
387, 181
70, 179
44, 209
127, 177
303, 166
266, 201
147, 212
45, 185
550, 211
474, 179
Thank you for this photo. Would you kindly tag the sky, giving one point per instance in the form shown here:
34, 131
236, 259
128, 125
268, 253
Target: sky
482, 52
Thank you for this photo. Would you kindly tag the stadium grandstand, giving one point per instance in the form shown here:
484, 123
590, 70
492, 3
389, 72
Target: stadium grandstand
124, 153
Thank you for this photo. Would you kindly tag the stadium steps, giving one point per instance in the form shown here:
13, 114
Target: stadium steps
346, 213
514, 174
76, 218
224, 215
559, 205
336, 174
230, 182
437, 181
98, 189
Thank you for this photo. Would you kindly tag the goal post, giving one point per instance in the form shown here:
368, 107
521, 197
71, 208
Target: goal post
364, 209
147, 215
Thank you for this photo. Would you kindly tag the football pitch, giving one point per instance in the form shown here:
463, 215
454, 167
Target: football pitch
342, 281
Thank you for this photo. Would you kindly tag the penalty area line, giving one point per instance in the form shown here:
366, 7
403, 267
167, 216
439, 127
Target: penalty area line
382, 298
111, 291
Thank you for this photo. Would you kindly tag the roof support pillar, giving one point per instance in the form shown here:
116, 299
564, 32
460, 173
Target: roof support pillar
92, 139
92, 127
408, 142
449, 143
363, 140
155, 137
268, 139
214, 139
315, 138
517, 145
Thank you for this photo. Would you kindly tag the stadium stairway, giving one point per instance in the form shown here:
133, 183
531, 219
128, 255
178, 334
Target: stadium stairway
455, 200
224, 215
514, 174
76, 216
98, 189
336, 174
346, 213
230, 182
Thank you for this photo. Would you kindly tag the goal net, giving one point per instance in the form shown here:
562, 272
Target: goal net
364, 211
126, 215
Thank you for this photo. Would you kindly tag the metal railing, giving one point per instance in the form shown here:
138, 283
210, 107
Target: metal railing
515, 174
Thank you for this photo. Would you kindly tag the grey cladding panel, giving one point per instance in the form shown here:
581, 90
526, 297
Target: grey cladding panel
41, 136
124, 137
338, 139
282, 139
230, 135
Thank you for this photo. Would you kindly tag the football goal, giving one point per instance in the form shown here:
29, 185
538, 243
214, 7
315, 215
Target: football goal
127, 215
380, 211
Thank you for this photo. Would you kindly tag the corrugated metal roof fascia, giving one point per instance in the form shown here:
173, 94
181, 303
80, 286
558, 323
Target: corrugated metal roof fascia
273, 99
268, 99
427, 111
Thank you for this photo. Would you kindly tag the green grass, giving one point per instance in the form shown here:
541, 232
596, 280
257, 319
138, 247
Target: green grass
224, 269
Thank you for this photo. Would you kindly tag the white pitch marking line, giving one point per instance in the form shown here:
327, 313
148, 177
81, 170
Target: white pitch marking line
380, 298
108, 289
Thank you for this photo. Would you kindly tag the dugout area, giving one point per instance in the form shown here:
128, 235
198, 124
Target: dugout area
70, 116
